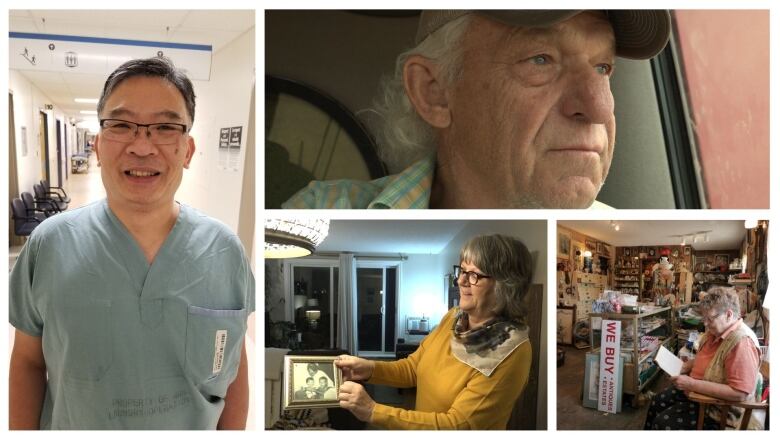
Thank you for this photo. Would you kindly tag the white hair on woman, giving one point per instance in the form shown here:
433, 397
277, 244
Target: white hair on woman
402, 136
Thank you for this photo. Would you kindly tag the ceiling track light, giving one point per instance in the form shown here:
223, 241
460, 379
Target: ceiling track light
693, 238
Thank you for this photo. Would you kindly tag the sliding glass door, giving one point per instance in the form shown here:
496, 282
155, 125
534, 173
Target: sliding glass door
377, 292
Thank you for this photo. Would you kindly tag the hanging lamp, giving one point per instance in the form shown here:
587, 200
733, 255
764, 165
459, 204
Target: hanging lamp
293, 238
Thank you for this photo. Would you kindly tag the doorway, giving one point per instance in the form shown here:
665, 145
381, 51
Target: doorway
43, 142
66, 142
13, 175
377, 292
59, 153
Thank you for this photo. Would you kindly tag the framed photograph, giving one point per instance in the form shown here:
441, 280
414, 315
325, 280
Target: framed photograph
699, 263
687, 251
564, 244
721, 260
590, 385
310, 382
578, 255
651, 252
566, 316
606, 250
626, 251
634, 251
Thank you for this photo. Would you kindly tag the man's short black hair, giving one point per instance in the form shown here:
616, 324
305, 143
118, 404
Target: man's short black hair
161, 67
309, 379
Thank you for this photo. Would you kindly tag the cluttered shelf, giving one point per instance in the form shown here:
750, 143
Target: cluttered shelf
652, 348
645, 311
648, 367
648, 326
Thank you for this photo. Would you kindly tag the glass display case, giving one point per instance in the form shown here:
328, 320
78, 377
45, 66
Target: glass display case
641, 336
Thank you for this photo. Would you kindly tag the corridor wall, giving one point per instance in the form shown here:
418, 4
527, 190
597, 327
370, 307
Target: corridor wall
28, 102
214, 182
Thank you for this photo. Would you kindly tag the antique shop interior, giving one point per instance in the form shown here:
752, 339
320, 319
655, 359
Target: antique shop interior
375, 289
649, 276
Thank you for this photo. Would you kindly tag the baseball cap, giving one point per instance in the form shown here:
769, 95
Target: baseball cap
639, 33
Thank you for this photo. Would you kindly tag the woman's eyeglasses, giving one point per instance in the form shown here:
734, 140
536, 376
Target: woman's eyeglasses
472, 276
711, 318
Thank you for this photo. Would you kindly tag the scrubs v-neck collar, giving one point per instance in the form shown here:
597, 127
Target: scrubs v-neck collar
140, 272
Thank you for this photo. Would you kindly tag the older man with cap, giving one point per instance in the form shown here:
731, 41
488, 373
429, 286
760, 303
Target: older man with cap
499, 109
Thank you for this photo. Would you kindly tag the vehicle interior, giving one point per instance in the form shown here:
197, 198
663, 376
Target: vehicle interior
666, 156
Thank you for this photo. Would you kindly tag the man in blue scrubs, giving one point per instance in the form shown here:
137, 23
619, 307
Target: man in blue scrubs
130, 312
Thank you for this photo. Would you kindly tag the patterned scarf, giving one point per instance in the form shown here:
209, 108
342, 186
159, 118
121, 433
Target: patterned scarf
484, 339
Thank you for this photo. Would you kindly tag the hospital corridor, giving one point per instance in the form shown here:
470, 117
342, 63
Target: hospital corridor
131, 203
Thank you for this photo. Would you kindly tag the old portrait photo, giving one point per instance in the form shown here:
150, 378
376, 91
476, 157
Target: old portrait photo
311, 382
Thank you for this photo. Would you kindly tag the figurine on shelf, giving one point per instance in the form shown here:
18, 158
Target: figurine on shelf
662, 271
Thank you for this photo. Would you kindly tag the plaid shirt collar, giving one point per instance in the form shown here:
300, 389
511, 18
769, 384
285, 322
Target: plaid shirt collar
411, 189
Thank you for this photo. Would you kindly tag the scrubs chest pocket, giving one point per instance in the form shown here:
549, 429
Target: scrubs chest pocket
87, 337
213, 350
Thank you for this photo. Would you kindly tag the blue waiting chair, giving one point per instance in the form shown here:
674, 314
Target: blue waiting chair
57, 204
55, 190
24, 224
41, 210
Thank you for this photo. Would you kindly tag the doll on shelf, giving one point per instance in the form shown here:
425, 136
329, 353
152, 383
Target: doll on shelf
662, 271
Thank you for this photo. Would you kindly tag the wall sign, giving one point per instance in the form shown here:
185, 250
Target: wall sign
610, 372
235, 137
24, 141
230, 148
224, 137
72, 53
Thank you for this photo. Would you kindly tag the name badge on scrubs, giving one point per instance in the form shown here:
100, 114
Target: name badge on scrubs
219, 350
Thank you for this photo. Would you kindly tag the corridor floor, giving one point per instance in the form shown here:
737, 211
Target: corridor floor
85, 188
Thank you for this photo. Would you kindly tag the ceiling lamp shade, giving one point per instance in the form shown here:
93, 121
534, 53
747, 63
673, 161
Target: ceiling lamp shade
293, 238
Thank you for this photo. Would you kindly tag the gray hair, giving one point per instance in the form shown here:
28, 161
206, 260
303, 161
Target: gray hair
161, 67
720, 300
508, 261
402, 136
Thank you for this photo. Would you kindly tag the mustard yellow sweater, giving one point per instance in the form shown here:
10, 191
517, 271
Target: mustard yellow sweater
451, 394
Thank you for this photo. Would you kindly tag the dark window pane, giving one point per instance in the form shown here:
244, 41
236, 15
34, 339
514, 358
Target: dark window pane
390, 296
312, 306
370, 286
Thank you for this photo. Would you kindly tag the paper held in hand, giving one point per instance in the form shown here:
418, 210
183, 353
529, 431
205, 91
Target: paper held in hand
669, 362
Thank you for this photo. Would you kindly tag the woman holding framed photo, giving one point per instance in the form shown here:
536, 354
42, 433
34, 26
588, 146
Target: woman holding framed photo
473, 367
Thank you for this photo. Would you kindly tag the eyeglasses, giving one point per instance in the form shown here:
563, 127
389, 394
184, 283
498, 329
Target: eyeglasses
711, 318
472, 276
158, 133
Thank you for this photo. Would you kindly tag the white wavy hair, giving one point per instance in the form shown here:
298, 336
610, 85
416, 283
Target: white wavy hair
402, 136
